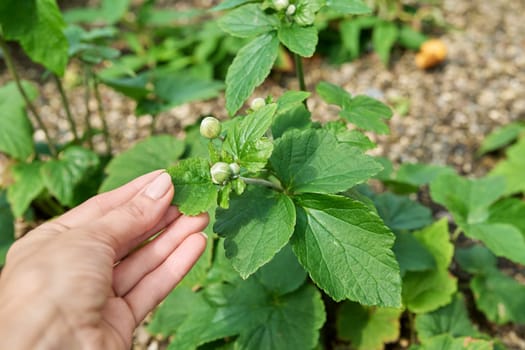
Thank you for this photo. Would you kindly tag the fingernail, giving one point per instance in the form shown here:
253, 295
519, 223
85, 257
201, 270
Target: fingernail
159, 186
204, 235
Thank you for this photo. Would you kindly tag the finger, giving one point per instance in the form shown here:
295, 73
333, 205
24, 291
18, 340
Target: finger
155, 286
99, 205
128, 224
133, 268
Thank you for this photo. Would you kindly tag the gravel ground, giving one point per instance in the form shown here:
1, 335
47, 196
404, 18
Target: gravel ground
452, 107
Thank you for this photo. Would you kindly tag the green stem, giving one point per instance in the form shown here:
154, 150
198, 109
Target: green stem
299, 71
153, 125
456, 234
102, 115
65, 102
87, 116
12, 70
412, 326
262, 182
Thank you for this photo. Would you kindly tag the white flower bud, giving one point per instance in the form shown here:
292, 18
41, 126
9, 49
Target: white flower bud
210, 127
257, 103
235, 169
280, 4
290, 10
220, 173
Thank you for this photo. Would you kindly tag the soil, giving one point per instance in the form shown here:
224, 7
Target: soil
452, 107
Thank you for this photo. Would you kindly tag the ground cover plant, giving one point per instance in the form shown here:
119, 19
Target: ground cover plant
305, 252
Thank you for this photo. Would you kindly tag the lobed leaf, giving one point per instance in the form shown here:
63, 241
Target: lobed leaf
27, 186
346, 249
299, 40
314, 161
258, 225
195, 193
367, 113
248, 21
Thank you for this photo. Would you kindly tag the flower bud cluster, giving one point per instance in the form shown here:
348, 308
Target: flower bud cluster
280, 5
222, 172
257, 103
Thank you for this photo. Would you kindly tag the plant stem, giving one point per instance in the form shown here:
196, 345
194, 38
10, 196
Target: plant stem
456, 234
12, 70
65, 102
153, 125
102, 115
299, 71
412, 325
262, 182
87, 117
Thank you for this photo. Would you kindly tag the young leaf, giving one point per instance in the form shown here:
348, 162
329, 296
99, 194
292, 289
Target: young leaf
248, 21
426, 291
384, 37
333, 94
195, 192
7, 223
367, 113
249, 69
306, 11
469, 202
156, 152
349, 7
501, 137
314, 161
299, 40
258, 224
513, 168
368, 328
61, 176
353, 138
452, 319
290, 100
245, 142
16, 131
346, 249
28, 185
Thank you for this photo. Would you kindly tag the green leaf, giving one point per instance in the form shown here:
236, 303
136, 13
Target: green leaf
353, 138
61, 176
419, 174
350, 34
133, 87
299, 40
469, 202
384, 37
314, 161
411, 254
248, 21
27, 186
295, 118
262, 319
402, 213
113, 10
249, 69
195, 192
272, 277
7, 225
498, 296
333, 94
16, 131
346, 249
513, 168
44, 40
229, 4
258, 224
17, 18
446, 342
367, 113
290, 100
428, 290
508, 211
452, 319
349, 7
410, 38
245, 142
306, 11
155, 152
367, 328
501, 137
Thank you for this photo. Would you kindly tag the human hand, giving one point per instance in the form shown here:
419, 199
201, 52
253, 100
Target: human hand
77, 282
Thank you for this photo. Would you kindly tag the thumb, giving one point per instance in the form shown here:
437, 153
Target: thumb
127, 225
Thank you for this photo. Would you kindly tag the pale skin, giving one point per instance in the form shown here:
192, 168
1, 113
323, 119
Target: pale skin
84, 281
